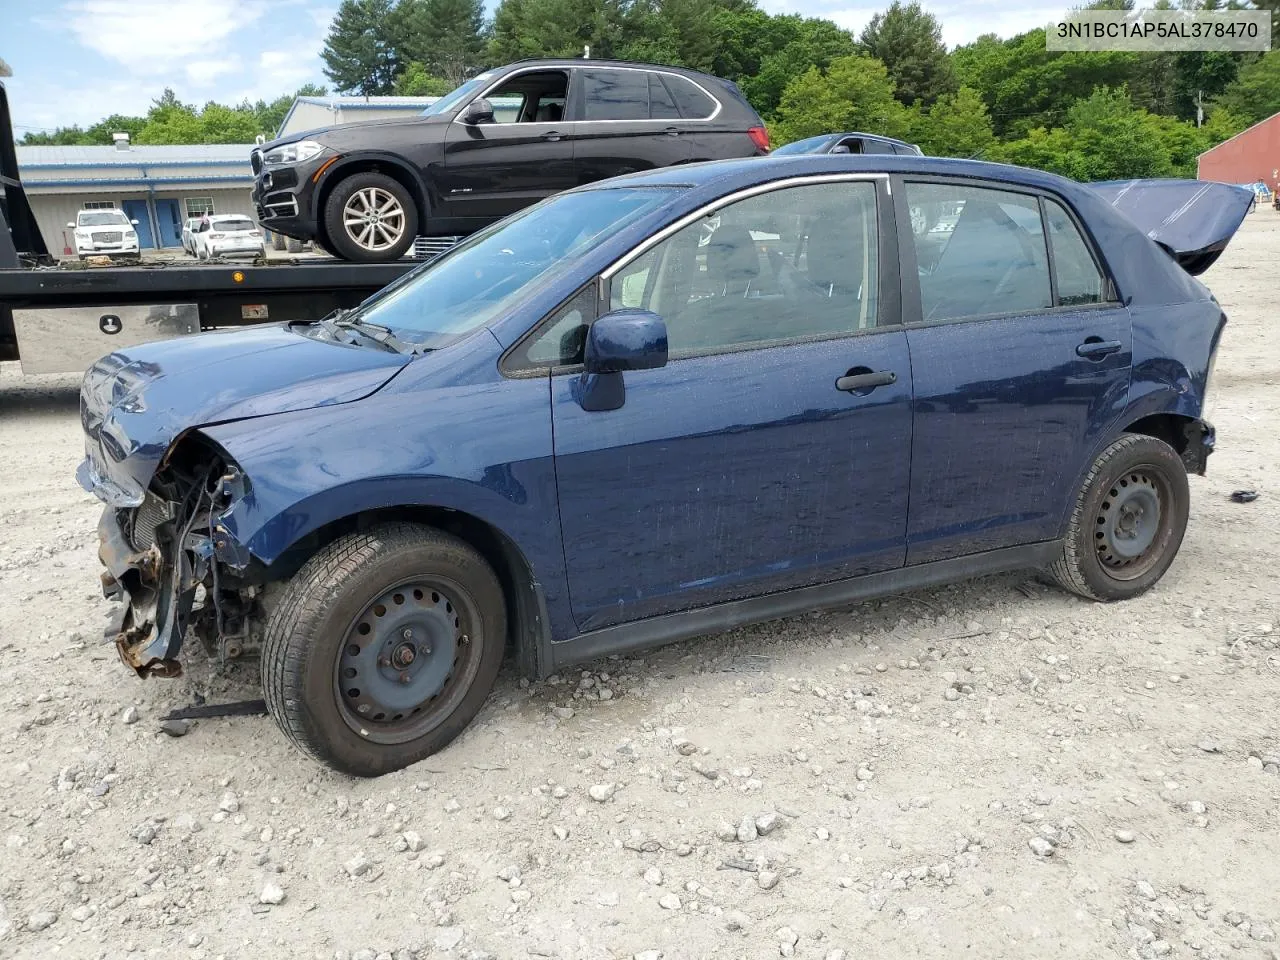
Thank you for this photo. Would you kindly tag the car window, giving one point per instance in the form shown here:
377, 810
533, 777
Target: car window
876, 146
616, 94
102, 218
530, 98
694, 104
979, 251
793, 263
234, 226
562, 336
455, 97
1079, 280
662, 106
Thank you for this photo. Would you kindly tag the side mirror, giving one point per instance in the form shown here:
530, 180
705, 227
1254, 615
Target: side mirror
478, 111
626, 340
71, 226
618, 341
841, 148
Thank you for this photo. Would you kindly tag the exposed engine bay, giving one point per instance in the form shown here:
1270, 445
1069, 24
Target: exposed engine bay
175, 567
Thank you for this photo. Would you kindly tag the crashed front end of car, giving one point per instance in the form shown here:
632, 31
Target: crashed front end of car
169, 560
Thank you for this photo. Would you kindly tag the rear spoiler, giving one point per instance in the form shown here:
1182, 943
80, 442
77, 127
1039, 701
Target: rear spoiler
1193, 220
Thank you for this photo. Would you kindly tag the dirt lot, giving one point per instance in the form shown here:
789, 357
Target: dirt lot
918, 752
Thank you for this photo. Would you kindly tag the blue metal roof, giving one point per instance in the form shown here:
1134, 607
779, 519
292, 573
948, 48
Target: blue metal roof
151, 156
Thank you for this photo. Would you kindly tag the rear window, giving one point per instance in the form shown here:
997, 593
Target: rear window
103, 218
616, 94
693, 103
233, 226
662, 106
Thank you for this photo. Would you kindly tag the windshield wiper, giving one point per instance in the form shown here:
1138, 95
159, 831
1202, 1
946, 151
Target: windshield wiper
380, 335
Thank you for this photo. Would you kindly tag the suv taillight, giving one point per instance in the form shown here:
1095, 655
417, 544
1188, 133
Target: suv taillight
759, 136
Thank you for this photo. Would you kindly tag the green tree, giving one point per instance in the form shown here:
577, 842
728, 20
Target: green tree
1051, 150
1255, 94
796, 45
854, 93
554, 28
957, 125
1115, 139
908, 41
444, 36
359, 53
416, 81
220, 124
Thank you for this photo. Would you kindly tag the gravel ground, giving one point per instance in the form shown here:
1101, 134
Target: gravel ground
993, 769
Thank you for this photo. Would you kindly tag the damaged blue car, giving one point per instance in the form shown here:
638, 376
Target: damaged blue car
657, 407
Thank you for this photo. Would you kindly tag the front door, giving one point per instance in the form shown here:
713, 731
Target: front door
773, 449
496, 168
169, 223
1017, 372
137, 210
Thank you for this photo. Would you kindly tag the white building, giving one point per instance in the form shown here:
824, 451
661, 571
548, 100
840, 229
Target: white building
159, 187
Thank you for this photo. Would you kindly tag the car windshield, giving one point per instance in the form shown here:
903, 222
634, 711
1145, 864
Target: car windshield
455, 97
808, 145
103, 218
233, 226
489, 272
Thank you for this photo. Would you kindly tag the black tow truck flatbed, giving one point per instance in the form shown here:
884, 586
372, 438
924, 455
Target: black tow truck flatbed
58, 318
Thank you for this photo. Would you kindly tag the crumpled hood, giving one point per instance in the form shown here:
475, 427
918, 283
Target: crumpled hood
135, 402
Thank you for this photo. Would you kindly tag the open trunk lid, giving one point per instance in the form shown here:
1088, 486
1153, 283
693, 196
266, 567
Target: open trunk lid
1193, 220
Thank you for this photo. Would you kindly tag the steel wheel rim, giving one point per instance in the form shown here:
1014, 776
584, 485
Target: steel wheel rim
1131, 525
392, 687
373, 218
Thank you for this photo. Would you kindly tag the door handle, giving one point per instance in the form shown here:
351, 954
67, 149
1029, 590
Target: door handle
551, 135
673, 131
1095, 348
857, 382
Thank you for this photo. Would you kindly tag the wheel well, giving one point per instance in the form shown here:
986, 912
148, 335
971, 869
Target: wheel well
1169, 427
368, 165
526, 618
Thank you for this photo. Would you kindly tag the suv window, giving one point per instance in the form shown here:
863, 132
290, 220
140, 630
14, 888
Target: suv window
616, 94
978, 251
662, 106
1079, 280
531, 98
799, 262
693, 103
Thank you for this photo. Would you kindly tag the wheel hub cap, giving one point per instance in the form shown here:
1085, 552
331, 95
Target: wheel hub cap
1129, 520
373, 218
399, 656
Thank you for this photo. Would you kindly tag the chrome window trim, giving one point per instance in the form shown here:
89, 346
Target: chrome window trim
587, 64
720, 202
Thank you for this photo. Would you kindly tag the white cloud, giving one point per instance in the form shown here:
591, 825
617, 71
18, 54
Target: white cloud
152, 37
203, 73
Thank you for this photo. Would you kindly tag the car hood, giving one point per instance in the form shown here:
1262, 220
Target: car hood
135, 402
1193, 220
356, 130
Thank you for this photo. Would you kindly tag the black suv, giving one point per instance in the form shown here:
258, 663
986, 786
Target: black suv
501, 141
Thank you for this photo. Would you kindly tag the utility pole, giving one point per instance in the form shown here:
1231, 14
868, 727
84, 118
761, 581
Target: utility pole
586, 51
1199, 108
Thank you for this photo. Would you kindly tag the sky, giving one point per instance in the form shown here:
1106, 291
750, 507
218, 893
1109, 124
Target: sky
77, 61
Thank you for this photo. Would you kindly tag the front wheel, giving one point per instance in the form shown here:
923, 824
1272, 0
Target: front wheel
1128, 521
370, 218
383, 647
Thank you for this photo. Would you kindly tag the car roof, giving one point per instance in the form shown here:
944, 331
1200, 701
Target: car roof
580, 62
735, 174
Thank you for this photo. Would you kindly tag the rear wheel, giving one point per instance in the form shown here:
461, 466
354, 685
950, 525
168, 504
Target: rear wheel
1128, 521
370, 218
383, 648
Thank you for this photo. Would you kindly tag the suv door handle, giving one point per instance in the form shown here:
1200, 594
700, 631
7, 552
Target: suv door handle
1095, 348
673, 131
857, 382
551, 135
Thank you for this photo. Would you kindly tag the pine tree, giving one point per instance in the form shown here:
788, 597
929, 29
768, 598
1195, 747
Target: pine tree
360, 54
908, 41
445, 36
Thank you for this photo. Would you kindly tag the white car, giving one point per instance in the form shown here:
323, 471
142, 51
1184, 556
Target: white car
188, 235
228, 235
103, 233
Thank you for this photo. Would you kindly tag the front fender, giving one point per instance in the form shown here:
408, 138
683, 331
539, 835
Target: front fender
364, 160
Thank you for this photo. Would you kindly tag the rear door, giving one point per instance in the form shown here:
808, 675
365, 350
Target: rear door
628, 120
1020, 356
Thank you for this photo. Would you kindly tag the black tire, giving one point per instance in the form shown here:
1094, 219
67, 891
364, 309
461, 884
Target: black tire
1127, 522
277, 241
343, 244
322, 616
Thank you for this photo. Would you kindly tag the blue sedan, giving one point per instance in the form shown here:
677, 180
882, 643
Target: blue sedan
657, 407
